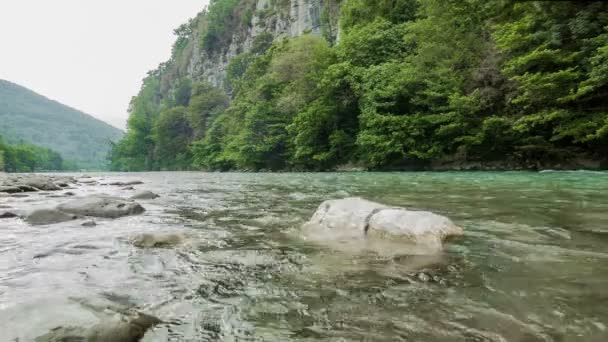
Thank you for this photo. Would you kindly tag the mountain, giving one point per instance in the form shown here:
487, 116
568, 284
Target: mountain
385, 84
26, 116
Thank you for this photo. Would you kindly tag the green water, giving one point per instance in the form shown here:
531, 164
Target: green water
532, 266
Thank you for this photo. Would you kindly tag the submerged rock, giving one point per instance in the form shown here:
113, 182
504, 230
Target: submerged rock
145, 195
48, 216
126, 183
42, 183
356, 220
126, 329
89, 223
100, 206
7, 214
156, 240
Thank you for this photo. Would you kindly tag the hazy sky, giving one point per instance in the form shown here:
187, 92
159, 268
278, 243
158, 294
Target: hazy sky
89, 54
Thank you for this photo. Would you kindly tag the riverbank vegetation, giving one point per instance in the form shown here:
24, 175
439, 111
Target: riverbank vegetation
29, 158
409, 83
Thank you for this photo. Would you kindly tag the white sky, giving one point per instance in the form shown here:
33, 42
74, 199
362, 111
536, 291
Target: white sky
88, 54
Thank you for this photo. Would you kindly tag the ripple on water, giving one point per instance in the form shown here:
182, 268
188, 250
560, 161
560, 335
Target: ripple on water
529, 268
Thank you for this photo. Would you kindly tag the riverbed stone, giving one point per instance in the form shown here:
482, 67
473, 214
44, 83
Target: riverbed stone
149, 240
420, 232
48, 216
7, 214
102, 206
144, 195
136, 182
123, 329
41, 183
89, 223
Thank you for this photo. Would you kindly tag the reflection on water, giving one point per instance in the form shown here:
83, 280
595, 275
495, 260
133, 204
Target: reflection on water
532, 266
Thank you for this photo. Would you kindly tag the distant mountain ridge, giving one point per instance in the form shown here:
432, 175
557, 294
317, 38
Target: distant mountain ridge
26, 116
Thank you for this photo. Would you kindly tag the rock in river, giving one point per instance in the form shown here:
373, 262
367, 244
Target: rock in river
144, 195
7, 214
156, 240
48, 216
101, 206
125, 329
419, 232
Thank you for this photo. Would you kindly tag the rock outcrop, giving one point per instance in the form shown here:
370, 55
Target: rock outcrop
355, 220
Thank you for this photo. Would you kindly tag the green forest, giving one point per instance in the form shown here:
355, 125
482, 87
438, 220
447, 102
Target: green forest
408, 84
29, 158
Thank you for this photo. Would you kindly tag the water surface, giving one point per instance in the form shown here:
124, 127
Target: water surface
532, 266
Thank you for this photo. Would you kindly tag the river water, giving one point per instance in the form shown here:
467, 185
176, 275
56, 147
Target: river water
532, 266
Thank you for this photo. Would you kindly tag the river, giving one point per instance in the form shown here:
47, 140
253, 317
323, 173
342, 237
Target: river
532, 265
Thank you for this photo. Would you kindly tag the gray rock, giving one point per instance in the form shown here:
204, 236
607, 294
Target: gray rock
69, 193
41, 183
156, 240
126, 183
10, 189
416, 232
99, 206
19, 195
89, 223
125, 329
145, 195
7, 214
48, 216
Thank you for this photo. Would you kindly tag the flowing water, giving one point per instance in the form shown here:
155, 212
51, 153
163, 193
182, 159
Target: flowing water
532, 266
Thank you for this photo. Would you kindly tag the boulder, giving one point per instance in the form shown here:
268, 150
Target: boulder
126, 183
100, 206
356, 219
89, 223
48, 216
7, 214
41, 183
156, 240
10, 189
123, 329
144, 195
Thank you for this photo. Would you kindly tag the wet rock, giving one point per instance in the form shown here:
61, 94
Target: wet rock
145, 195
10, 189
69, 193
417, 227
156, 240
19, 195
126, 329
7, 214
42, 183
48, 216
421, 232
100, 206
126, 183
89, 223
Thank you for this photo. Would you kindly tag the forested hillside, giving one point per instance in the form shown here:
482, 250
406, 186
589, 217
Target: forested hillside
31, 119
388, 84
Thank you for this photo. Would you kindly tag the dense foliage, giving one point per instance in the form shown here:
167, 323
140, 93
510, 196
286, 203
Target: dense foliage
27, 116
29, 158
411, 83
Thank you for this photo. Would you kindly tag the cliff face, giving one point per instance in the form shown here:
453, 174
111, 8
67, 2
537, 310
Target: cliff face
276, 19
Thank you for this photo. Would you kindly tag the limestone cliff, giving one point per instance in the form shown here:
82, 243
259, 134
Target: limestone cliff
248, 21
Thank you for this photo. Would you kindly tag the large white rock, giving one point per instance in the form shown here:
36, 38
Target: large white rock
359, 223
